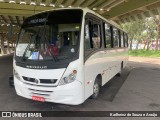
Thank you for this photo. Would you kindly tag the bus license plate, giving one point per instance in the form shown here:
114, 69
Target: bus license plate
38, 98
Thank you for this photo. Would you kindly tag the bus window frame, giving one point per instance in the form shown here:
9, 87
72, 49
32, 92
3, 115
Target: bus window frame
117, 29
87, 20
104, 34
122, 35
93, 18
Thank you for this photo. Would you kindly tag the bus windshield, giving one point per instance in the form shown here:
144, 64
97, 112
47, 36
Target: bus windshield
50, 35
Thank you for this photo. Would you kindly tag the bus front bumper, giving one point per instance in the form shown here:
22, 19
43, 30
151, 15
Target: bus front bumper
71, 93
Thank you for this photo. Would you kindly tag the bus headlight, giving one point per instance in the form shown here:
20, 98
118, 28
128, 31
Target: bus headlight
68, 79
16, 74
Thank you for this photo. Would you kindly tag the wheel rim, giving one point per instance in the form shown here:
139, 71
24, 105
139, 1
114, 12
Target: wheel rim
95, 89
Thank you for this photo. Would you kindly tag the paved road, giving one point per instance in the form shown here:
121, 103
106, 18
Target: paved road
137, 89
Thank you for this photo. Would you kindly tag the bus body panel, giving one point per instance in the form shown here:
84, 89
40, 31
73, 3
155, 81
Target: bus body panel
106, 63
66, 94
72, 93
41, 74
93, 67
114, 58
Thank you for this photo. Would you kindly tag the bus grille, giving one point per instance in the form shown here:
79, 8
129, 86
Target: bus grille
43, 93
43, 81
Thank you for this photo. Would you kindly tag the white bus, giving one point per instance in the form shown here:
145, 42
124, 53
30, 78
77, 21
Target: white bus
66, 55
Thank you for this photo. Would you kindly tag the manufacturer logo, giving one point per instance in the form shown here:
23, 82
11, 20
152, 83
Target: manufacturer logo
36, 67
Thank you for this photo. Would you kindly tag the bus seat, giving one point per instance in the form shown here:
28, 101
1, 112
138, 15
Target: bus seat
52, 49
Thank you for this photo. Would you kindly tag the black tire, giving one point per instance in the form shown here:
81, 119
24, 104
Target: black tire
96, 89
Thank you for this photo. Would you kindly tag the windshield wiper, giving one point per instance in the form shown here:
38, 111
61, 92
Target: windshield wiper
53, 56
24, 54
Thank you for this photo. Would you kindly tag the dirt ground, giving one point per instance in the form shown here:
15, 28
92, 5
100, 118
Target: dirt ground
145, 60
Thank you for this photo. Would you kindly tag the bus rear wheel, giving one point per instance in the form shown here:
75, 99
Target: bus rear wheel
96, 89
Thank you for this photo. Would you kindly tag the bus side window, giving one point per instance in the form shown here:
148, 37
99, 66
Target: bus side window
96, 35
107, 36
122, 39
87, 40
115, 38
92, 35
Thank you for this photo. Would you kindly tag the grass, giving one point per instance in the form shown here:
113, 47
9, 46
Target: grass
144, 53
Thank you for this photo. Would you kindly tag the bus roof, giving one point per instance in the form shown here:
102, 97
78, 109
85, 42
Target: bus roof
86, 10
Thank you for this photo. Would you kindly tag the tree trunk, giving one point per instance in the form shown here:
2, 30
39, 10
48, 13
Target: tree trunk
137, 45
130, 46
148, 43
145, 45
157, 45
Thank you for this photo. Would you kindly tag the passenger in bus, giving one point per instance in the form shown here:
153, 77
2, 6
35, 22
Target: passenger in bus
52, 49
96, 40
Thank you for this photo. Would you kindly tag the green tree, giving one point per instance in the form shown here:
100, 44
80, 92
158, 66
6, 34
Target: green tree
134, 30
156, 19
145, 30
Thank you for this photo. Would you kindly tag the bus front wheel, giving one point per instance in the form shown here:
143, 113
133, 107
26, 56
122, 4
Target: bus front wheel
96, 89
